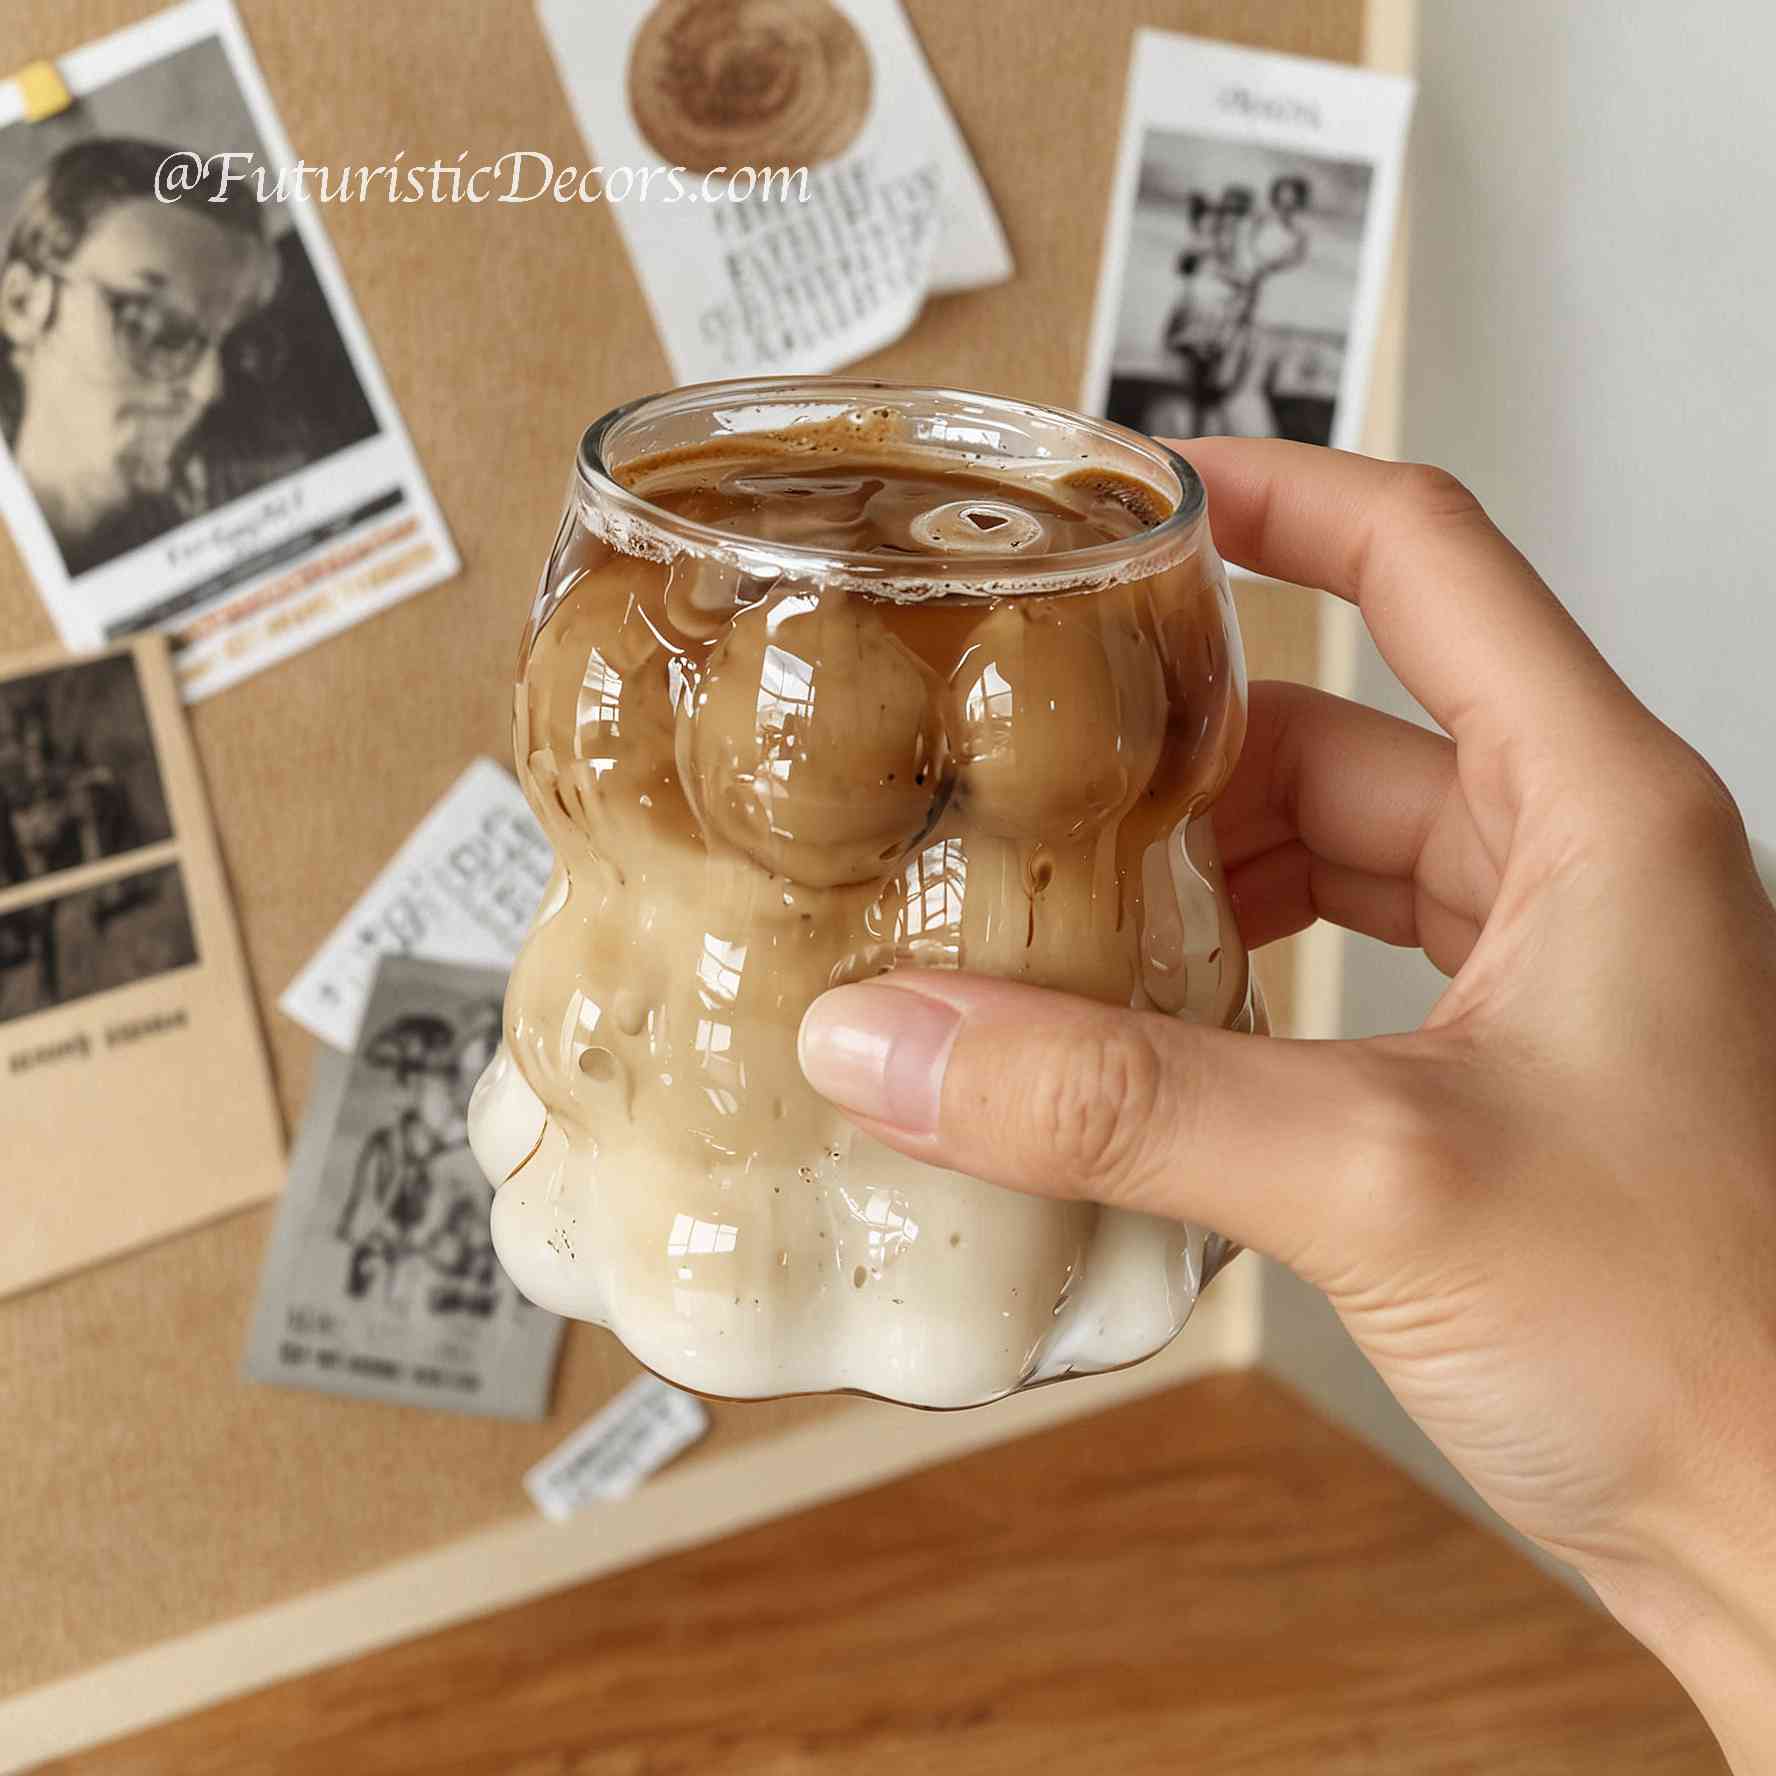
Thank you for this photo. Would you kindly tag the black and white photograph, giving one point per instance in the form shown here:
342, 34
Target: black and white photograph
79, 780
161, 353
1248, 233
189, 406
1237, 289
381, 1279
114, 934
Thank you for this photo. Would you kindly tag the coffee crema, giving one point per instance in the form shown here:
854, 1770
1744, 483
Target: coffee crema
760, 785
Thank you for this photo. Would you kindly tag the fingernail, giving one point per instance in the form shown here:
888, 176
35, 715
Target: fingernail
881, 1052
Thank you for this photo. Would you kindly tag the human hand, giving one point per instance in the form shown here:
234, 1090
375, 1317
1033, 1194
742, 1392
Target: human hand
1549, 1215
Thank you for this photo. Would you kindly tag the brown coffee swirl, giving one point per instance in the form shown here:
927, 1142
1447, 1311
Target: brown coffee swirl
761, 83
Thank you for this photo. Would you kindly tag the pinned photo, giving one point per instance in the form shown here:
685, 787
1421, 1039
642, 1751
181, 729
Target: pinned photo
197, 435
1248, 241
381, 1279
131, 1062
79, 781
786, 174
80, 785
129, 929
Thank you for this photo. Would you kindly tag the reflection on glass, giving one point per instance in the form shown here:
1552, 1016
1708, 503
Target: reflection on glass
692, 1238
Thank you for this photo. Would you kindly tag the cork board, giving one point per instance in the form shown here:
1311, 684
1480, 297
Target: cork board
150, 1492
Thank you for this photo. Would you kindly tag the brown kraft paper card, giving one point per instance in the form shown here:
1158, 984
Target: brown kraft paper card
134, 1090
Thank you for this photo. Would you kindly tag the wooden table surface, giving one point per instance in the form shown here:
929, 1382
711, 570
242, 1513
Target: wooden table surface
1212, 1580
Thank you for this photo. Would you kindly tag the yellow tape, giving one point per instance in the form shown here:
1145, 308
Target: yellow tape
44, 90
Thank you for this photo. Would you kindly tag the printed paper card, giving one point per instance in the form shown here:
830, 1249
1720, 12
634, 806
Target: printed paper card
381, 1279
647, 1425
787, 177
134, 1090
1250, 223
463, 888
198, 438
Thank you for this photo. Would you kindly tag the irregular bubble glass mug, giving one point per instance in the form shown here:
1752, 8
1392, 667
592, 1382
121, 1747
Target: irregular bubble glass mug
824, 678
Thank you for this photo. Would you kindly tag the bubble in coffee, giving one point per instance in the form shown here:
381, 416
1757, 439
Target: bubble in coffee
765, 774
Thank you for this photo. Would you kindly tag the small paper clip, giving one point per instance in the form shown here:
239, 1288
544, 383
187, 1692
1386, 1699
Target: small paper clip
44, 90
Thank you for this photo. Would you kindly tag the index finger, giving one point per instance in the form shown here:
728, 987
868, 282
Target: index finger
1467, 625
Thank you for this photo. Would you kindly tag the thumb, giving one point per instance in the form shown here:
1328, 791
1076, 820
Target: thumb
1060, 1096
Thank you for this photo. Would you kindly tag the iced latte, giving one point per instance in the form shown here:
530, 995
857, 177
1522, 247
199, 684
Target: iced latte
825, 679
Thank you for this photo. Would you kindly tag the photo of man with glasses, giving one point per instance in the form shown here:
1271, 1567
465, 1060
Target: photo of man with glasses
121, 319
195, 433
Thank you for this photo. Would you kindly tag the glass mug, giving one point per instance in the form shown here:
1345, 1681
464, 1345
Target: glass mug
987, 739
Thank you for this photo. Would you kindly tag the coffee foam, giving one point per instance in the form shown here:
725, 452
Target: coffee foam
981, 526
882, 441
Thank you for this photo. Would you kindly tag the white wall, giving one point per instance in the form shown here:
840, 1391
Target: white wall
1591, 345
1590, 342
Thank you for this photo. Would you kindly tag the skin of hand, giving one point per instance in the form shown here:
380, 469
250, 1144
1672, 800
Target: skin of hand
1548, 1216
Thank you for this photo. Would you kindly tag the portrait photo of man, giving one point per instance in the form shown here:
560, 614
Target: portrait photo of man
165, 344
196, 436
124, 319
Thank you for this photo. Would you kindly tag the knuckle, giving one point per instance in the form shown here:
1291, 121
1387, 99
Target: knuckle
1668, 797
1427, 491
1696, 799
1091, 1105
1414, 497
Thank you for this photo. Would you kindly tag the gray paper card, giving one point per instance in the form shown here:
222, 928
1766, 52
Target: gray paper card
381, 1279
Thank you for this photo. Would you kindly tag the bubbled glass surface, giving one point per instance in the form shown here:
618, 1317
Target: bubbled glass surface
770, 764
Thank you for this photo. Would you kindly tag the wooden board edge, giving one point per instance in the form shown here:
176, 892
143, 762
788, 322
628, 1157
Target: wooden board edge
860, 1446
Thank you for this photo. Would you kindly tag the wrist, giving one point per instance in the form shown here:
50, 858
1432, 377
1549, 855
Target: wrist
1707, 1611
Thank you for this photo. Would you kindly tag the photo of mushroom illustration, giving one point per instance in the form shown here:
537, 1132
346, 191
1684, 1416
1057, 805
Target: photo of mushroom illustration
414, 1221
748, 83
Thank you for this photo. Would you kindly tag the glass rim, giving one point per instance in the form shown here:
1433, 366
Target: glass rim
1122, 559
